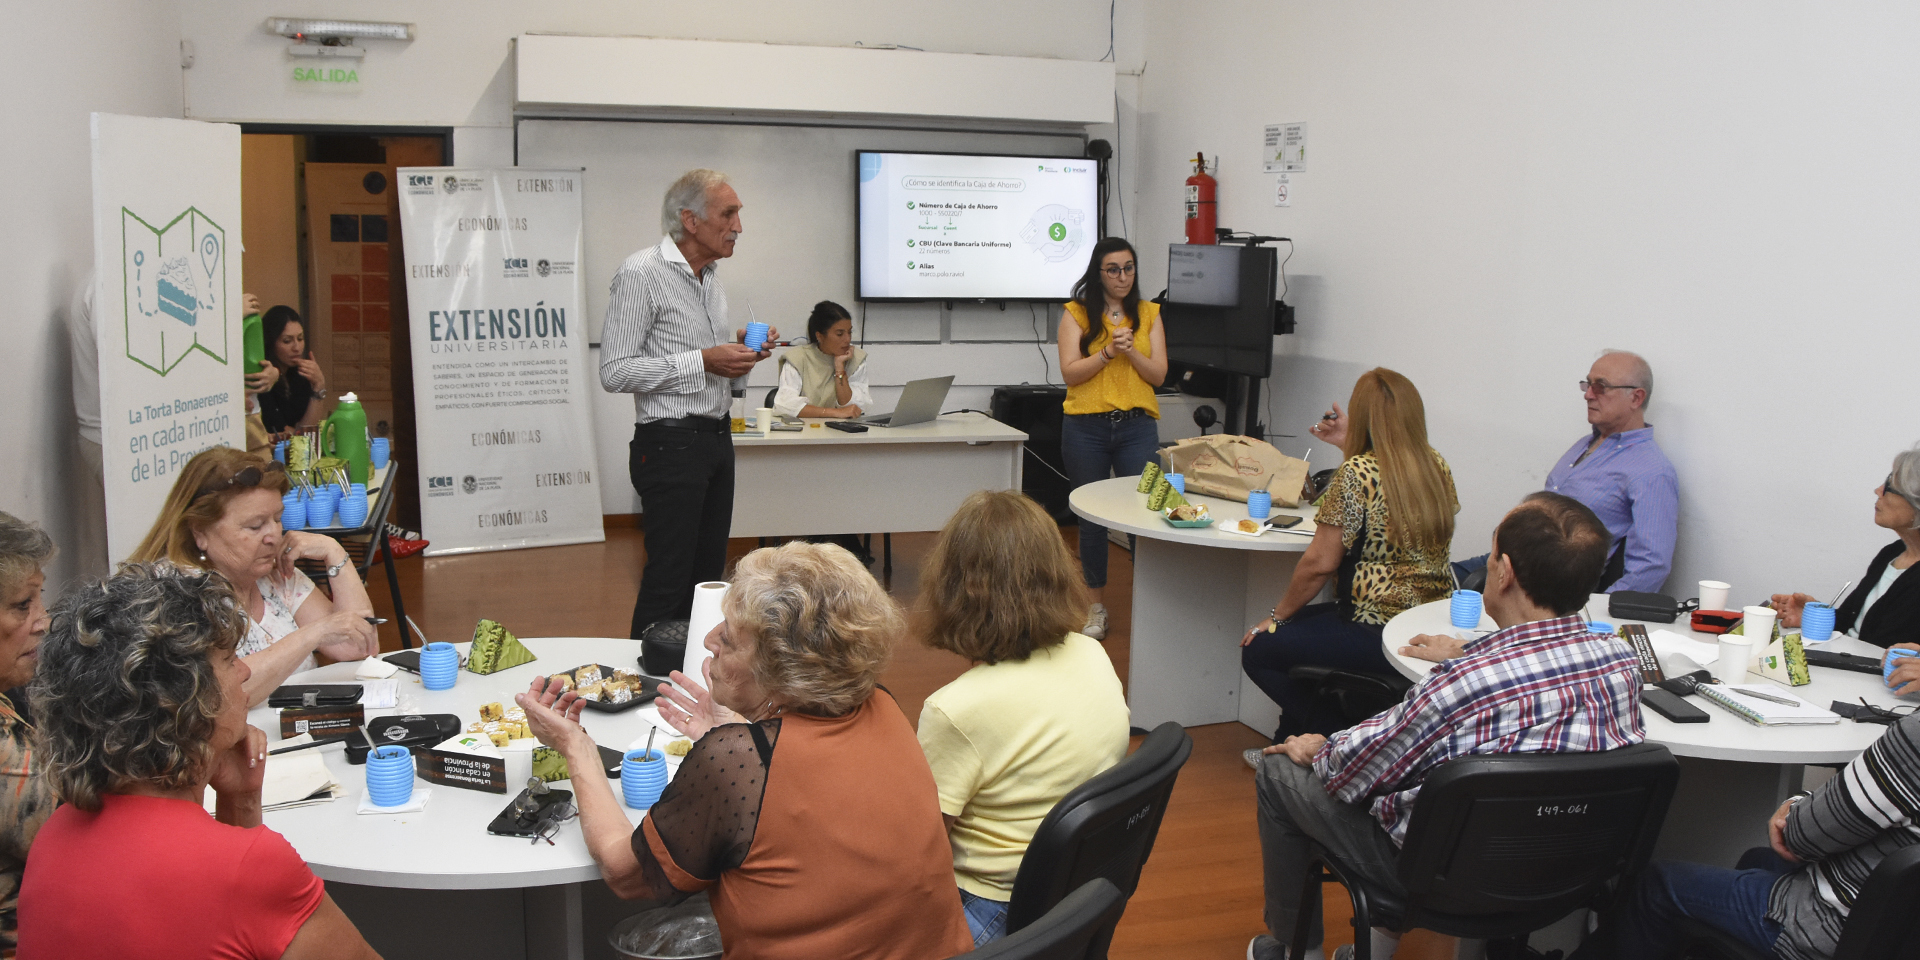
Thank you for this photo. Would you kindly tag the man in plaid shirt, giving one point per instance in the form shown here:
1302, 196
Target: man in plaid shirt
1541, 684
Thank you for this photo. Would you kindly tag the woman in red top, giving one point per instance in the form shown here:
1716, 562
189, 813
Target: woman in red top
805, 804
141, 707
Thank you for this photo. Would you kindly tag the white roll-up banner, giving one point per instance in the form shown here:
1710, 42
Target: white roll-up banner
166, 307
500, 374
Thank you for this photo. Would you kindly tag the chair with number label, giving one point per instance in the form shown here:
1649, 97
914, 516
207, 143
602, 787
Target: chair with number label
1500, 846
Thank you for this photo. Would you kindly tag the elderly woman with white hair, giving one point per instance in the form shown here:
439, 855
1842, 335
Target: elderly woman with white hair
25, 800
837, 849
1884, 607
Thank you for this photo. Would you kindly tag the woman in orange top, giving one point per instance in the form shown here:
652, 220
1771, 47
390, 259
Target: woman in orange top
805, 806
1111, 366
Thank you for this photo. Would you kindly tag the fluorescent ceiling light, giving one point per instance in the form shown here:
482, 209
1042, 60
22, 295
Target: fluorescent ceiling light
307, 29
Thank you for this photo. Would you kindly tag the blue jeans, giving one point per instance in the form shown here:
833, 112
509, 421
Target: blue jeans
1734, 901
987, 919
1095, 447
1317, 635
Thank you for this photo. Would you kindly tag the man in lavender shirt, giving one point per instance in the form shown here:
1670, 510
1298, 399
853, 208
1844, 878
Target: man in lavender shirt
1618, 471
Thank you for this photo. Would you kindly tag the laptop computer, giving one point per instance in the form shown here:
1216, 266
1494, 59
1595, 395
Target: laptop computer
919, 402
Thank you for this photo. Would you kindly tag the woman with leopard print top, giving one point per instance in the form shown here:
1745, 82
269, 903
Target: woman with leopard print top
1385, 532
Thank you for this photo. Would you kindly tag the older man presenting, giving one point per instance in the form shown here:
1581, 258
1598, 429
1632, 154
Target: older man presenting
1541, 684
667, 342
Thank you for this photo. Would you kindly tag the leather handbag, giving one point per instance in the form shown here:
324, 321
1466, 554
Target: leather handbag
1651, 607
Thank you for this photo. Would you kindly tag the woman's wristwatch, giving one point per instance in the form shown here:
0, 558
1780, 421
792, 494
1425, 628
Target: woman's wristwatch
334, 570
320, 392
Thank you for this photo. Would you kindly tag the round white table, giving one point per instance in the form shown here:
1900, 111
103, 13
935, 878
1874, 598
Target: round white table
1195, 593
446, 845
1734, 774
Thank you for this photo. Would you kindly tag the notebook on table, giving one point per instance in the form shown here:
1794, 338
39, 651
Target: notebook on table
1764, 713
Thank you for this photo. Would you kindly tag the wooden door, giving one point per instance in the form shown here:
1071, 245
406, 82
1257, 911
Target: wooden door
352, 219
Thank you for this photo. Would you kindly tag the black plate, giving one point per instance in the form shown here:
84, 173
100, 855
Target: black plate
649, 688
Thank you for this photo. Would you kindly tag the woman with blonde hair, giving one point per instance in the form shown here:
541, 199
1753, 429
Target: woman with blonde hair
804, 805
223, 514
1385, 530
1039, 712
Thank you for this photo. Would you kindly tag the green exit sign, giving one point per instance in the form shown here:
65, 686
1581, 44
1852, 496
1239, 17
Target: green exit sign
326, 76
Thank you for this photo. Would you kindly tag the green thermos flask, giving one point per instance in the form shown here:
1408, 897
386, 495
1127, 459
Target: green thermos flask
344, 435
254, 343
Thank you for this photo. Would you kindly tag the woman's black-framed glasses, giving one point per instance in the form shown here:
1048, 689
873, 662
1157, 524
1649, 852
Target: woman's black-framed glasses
249, 477
1118, 270
1887, 486
1868, 713
550, 822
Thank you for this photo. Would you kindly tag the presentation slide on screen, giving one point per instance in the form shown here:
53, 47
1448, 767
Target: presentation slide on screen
945, 227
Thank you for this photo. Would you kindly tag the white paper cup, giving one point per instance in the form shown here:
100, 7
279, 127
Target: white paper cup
1759, 625
1734, 654
1713, 594
519, 755
763, 421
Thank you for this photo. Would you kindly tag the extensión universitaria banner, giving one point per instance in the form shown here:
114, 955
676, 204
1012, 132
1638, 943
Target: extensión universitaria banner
166, 307
499, 358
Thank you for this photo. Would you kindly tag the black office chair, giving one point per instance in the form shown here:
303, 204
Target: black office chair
1066, 932
1103, 829
1342, 698
1501, 846
1882, 925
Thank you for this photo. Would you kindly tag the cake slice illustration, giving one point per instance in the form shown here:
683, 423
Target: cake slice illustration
177, 297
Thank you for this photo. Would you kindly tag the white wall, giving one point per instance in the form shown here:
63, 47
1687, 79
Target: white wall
131, 66
1496, 190
456, 70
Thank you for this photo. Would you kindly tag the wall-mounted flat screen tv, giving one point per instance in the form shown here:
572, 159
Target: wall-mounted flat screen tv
947, 226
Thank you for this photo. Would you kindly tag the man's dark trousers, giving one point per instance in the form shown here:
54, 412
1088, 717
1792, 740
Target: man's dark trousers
685, 480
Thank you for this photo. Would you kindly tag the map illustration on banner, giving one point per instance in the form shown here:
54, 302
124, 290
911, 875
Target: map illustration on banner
175, 280
499, 358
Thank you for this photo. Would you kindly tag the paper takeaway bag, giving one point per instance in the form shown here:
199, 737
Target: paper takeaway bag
1228, 466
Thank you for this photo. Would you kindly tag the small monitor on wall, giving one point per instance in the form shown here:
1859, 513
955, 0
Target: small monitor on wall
946, 226
1219, 306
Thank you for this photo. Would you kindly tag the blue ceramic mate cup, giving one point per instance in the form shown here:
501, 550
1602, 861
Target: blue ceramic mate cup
321, 506
280, 451
439, 666
1464, 609
1179, 482
381, 448
756, 336
1599, 626
293, 512
643, 777
1259, 504
1816, 623
390, 776
1893, 660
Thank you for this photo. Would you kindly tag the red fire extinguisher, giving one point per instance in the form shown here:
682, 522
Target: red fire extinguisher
1202, 210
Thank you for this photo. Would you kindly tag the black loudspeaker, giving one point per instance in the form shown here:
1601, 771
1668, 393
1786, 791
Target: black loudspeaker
1198, 381
1035, 410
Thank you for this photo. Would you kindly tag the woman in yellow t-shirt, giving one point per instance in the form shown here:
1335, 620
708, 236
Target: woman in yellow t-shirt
1111, 366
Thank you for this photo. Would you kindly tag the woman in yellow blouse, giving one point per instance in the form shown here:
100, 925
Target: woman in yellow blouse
1111, 365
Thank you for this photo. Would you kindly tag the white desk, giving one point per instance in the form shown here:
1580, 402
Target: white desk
446, 846
886, 480
1195, 593
1733, 774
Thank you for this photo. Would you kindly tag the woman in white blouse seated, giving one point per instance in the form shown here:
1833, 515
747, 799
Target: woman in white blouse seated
827, 376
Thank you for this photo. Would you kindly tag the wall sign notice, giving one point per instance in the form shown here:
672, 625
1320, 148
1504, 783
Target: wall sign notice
1285, 147
1283, 191
326, 76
